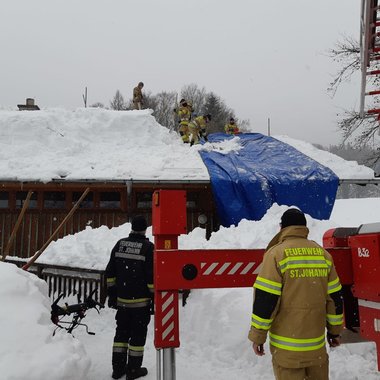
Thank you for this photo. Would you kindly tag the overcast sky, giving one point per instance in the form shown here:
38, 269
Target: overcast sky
266, 59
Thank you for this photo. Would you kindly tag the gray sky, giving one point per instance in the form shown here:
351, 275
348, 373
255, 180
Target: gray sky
264, 58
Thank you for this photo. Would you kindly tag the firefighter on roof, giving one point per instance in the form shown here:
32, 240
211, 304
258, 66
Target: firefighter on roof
297, 297
231, 128
184, 116
197, 128
138, 96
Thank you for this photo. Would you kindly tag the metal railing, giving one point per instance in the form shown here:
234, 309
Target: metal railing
69, 281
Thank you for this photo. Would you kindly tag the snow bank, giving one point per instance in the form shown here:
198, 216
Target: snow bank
93, 143
28, 350
91, 247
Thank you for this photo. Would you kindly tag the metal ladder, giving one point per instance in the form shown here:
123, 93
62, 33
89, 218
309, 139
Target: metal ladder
369, 53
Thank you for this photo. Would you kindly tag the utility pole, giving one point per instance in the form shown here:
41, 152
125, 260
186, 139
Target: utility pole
268, 126
85, 97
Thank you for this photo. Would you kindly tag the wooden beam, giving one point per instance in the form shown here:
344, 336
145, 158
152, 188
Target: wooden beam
17, 225
53, 235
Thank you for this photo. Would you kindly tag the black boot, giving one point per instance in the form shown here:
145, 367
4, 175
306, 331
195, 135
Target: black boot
135, 373
118, 373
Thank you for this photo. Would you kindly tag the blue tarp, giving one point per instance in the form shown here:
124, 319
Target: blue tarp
246, 183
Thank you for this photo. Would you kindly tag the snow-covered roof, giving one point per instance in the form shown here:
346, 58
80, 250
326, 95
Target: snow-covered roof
98, 144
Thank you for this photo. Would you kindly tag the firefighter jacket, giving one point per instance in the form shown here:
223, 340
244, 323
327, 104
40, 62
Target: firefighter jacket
137, 95
199, 125
184, 115
129, 272
297, 296
231, 129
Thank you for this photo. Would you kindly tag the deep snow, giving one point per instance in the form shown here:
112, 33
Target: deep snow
213, 325
99, 144
92, 143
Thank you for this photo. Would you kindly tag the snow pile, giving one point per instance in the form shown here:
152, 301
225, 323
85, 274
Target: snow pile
93, 144
98, 144
27, 348
91, 247
222, 147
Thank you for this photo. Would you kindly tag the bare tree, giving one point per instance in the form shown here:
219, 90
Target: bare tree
347, 54
163, 112
356, 129
359, 131
196, 95
209, 103
117, 103
164, 103
149, 101
244, 125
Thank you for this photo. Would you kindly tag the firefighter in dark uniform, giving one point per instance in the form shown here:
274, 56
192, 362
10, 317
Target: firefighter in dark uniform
297, 298
130, 290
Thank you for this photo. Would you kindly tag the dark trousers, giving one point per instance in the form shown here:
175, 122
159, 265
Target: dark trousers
131, 329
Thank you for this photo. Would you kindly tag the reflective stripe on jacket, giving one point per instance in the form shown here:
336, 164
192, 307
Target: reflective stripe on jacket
199, 123
129, 272
297, 296
184, 114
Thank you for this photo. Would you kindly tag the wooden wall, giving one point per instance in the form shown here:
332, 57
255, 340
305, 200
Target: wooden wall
110, 204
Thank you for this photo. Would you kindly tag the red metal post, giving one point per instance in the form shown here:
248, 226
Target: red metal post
169, 221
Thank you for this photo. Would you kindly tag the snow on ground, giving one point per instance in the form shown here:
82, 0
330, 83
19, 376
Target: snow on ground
213, 325
93, 143
27, 348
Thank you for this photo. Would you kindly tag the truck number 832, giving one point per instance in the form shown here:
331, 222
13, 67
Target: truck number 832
363, 252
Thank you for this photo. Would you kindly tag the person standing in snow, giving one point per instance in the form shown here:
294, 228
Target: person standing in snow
297, 297
231, 128
138, 96
197, 128
129, 275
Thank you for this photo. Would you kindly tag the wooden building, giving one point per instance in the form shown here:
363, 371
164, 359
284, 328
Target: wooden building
110, 203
